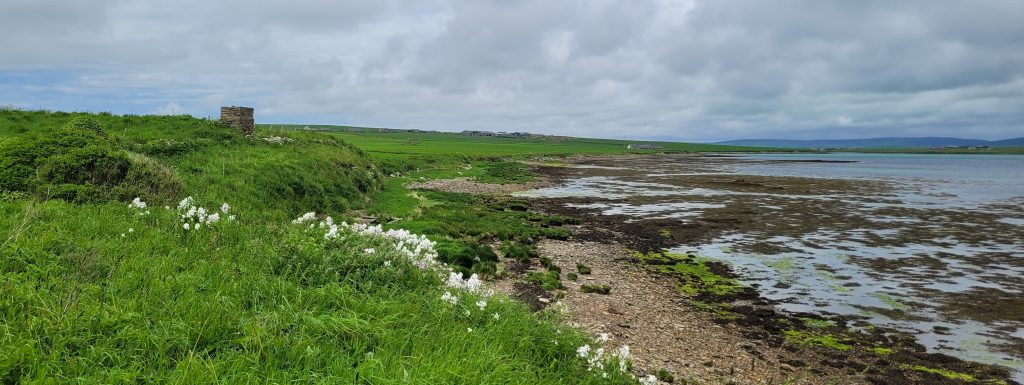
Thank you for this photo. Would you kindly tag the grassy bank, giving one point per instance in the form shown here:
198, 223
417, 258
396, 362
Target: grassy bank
94, 289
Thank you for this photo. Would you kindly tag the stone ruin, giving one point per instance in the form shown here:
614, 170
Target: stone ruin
238, 117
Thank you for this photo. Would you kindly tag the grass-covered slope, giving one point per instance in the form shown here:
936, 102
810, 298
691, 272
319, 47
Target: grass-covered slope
269, 173
96, 290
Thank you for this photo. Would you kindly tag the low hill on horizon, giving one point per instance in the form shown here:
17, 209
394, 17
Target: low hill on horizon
889, 142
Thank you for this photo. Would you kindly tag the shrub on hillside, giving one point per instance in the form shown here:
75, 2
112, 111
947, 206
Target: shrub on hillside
80, 162
464, 257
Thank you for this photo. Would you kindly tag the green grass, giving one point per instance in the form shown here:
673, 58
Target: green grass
549, 280
408, 144
94, 292
311, 172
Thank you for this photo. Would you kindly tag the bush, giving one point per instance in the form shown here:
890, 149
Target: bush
81, 163
664, 375
464, 257
518, 251
583, 269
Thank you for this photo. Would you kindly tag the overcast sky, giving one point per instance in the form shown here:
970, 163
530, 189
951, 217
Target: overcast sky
690, 70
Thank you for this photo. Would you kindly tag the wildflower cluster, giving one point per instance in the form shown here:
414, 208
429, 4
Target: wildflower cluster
278, 140
595, 359
417, 248
649, 380
139, 206
194, 217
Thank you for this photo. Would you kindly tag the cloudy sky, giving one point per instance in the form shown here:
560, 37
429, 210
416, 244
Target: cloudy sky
693, 70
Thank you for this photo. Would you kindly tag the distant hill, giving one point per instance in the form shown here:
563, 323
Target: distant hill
1015, 142
895, 142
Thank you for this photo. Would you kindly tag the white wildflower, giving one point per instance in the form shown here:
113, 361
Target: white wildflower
497, 316
603, 337
213, 218
137, 203
185, 225
231, 217
469, 330
332, 233
450, 298
481, 304
387, 263
368, 250
649, 380
623, 357
131, 230
196, 227
583, 351
186, 203
305, 218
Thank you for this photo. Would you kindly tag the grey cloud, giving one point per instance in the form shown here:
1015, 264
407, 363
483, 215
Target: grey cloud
679, 69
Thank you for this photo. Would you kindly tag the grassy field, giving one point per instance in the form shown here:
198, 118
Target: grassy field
95, 289
405, 143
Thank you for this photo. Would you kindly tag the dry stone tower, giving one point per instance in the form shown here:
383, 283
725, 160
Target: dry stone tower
238, 117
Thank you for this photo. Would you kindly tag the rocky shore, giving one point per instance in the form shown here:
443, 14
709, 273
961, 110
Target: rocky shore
714, 338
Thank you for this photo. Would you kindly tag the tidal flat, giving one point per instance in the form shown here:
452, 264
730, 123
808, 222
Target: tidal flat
929, 247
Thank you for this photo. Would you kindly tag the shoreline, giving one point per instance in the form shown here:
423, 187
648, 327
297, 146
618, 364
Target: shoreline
767, 353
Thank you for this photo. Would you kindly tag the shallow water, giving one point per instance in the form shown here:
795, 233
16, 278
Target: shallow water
951, 227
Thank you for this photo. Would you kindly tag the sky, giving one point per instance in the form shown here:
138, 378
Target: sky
686, 70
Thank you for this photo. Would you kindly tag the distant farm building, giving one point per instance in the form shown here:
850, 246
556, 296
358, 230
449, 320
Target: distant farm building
643, 146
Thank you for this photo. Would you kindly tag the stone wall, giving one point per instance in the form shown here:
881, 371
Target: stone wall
238, 117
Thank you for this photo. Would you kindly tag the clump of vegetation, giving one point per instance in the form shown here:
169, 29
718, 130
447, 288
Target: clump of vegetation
583, 269
549, 280
506, 172
571, 276
596, 288
467, 258
664, 375
519, 251
549, 264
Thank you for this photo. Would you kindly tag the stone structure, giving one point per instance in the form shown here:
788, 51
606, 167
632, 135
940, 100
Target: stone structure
238, 117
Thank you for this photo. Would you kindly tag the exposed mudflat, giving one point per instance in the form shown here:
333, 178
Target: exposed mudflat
895, 253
